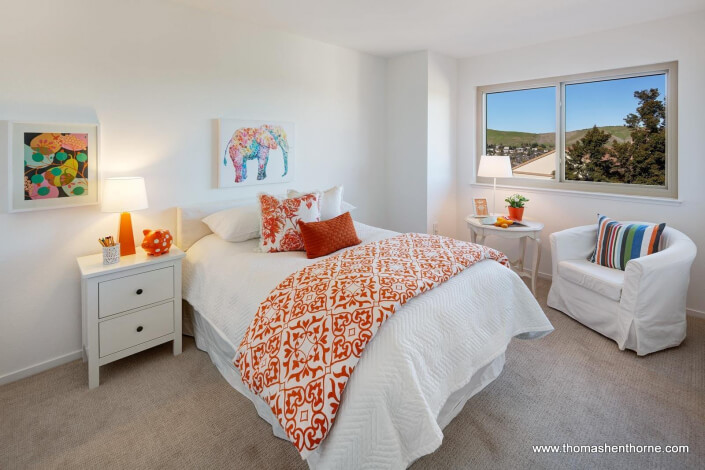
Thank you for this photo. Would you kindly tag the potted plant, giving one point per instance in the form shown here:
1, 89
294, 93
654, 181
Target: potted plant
516, 206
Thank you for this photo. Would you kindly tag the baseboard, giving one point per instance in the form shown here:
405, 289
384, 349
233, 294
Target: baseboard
41, 367
695, 313
541, 275
689, 311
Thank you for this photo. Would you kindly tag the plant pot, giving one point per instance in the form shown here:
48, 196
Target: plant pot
516, 213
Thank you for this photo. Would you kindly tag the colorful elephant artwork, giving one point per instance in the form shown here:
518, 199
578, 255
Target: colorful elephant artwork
254, 142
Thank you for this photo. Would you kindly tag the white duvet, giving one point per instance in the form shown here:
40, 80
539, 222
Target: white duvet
413, 377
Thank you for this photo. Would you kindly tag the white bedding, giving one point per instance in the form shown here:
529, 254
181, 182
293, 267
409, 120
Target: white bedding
446, 343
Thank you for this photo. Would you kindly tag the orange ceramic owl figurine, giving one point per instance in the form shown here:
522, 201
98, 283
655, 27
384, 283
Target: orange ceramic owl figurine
156, 242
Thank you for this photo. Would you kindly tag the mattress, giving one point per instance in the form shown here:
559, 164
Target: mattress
426, 361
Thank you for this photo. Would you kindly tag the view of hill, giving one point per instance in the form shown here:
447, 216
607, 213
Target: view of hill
519, 139
634, 153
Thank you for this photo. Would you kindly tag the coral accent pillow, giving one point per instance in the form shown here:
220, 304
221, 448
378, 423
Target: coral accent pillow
324, 238
280, 219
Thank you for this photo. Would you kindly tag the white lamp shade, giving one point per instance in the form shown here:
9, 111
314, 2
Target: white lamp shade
495, 166
124, 194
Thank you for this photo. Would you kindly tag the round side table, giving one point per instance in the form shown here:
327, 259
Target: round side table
479, 232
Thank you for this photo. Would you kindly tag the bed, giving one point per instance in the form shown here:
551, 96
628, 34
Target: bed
413, 378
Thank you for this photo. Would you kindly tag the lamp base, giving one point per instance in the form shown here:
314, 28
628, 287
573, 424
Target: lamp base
126, 238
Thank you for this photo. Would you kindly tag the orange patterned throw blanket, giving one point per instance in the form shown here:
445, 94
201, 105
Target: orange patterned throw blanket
308, 335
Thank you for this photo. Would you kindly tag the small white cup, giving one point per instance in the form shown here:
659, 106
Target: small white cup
111, 254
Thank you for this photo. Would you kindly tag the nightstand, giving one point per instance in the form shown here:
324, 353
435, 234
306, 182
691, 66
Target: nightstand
129, 306
531, 229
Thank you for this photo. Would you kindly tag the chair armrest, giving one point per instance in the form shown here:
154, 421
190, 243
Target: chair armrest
683, 252
572, 243
657, 284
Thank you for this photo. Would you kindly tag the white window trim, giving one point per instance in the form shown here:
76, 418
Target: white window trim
668, 192
650, 200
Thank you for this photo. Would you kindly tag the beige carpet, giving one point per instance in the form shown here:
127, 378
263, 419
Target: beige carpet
154, 410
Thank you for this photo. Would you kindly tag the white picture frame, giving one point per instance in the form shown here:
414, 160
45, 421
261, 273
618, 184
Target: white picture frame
32, 184
247, 141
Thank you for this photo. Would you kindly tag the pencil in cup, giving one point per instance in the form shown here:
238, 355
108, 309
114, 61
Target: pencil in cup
111, 254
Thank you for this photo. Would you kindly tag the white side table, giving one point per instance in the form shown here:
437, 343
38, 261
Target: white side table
479, 232
129, 306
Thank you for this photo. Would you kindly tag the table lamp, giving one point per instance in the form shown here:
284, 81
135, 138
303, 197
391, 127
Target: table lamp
124, 195
495, 166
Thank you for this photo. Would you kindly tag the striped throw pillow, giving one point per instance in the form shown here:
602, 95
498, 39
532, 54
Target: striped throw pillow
617, 243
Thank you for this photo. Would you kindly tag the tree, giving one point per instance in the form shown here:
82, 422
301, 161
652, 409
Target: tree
586, 158
643, 160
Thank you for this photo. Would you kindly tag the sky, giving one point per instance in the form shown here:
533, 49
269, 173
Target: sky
604, 103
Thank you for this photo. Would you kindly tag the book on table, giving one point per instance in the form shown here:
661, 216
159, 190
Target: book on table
492, 219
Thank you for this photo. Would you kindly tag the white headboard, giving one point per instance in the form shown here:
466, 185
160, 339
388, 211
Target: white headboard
190, 229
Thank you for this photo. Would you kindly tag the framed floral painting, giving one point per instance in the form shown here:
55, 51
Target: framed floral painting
52, 166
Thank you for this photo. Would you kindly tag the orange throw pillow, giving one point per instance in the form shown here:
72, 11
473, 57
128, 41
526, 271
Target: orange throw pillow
324, 238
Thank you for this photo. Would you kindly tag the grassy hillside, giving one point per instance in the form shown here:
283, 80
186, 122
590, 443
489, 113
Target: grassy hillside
518, 139
619, 133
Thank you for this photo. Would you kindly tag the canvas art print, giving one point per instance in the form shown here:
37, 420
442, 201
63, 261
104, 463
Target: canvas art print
480, 206
53, 166
254, 152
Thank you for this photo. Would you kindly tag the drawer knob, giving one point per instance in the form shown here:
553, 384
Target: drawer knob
139, 328
139, 292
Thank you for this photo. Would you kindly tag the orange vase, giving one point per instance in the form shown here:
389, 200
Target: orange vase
516, 213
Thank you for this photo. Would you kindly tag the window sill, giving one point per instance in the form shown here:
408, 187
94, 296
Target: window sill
664, 201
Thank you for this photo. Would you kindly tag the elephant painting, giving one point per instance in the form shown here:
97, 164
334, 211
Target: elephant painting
250, 143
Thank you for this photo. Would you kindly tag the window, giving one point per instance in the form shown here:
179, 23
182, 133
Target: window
522, 124
604, 132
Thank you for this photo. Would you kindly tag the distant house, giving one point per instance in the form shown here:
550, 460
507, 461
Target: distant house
540, 167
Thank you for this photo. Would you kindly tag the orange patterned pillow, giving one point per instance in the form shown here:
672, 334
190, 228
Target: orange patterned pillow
280, 217
324, 238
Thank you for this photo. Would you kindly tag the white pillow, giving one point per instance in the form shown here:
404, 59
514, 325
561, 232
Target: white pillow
237, 224
346, 207
330, 201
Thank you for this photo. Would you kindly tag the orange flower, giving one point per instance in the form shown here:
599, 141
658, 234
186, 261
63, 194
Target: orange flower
292, 241
47, 143
270, 228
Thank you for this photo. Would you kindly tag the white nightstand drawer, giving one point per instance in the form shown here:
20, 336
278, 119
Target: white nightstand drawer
136, 328
135, 291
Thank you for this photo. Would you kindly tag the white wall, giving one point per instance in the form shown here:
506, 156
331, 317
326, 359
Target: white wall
407, 142
155, 74
679, 39
421, 142
441, 157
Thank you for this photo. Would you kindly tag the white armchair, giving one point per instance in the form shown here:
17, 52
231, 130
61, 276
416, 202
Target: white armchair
641, 308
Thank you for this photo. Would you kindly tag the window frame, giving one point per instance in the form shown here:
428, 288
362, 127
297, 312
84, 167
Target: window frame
670, 190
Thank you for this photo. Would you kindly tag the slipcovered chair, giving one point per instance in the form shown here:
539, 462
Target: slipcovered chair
641, 308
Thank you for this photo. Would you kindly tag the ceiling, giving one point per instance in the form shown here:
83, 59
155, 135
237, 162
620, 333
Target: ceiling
459, 28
